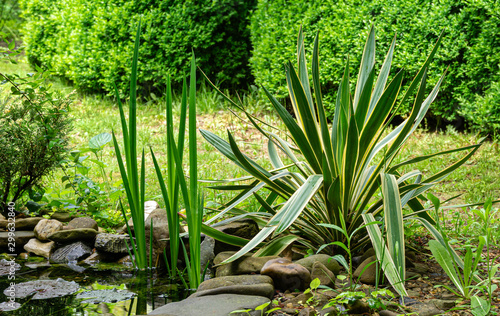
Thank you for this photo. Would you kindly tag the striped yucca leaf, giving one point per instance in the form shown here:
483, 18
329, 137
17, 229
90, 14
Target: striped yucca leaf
335, 170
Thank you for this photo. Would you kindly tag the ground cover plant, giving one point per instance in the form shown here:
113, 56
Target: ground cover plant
345, 175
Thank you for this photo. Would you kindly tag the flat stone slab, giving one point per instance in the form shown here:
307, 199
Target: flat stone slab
23, 223
71, 235
43, 289
71, 253
258, 285
21, 239
213, 305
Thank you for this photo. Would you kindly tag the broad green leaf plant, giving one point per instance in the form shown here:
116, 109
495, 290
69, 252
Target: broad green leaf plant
334, 172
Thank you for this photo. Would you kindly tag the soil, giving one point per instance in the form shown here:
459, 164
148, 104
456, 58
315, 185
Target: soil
426, 288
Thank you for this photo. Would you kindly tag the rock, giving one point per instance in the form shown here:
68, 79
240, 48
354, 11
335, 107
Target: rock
409, 275
426, 309
443, 304
244, 265
62, 216
46, 227
8, 267
23, 255
105, 296
43, 289
160, 232
420, 268
368, 276
82, 222
21, 239
112, 243
22, 223
259, 285
92, 259
206, 251
359, 307
149, 207
326, 260
70, 253
308, 311
213, 305
287, 275
9, 306
246, 228
325, 276
370, 252
71, 235
388, 313
125, 260
40, 248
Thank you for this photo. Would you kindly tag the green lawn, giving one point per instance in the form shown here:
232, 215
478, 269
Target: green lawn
95, 114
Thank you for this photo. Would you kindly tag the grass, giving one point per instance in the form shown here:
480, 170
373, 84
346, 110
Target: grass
94, 114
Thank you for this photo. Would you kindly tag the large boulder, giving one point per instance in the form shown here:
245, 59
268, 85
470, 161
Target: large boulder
260, 285
21, 238
71, 253
214, 305
40, 248
244, 265
71, 235
82, 222
287, 275
46, 227
112, 243
22, 223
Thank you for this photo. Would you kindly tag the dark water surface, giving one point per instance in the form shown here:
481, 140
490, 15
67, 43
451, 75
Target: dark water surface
150, 290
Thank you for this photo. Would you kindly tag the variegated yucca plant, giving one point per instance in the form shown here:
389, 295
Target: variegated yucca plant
338, 171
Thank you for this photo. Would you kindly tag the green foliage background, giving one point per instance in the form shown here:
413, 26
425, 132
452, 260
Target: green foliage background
470, 49
90, 42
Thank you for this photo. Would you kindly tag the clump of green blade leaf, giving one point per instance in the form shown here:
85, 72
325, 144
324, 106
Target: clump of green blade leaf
349, 156
391, 269
134, 186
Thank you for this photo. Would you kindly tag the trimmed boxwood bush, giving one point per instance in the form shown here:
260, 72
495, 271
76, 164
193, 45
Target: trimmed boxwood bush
90, 42
470, 49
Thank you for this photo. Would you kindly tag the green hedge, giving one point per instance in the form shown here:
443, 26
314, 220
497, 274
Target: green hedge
470, 49
91, 42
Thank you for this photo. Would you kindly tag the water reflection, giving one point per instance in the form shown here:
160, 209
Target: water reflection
151, 290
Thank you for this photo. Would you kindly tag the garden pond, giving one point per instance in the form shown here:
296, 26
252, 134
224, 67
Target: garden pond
70, 289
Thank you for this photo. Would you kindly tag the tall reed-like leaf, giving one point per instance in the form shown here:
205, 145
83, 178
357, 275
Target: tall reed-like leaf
133, 183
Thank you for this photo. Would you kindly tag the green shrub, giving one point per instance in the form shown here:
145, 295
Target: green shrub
33, 134
470, 45
10, 22
90, 42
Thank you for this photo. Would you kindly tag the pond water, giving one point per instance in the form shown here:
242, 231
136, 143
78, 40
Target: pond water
144, 291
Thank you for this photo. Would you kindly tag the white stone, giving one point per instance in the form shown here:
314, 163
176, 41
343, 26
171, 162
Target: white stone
39, 248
